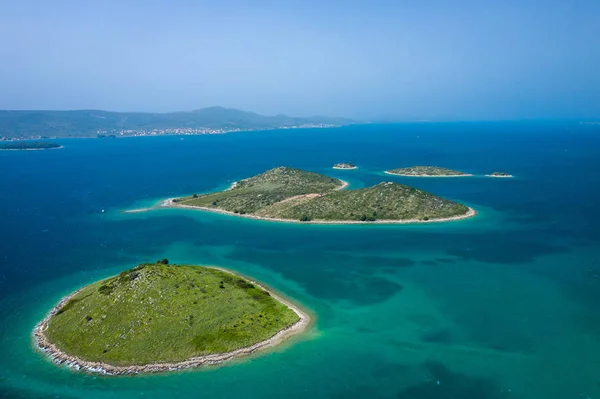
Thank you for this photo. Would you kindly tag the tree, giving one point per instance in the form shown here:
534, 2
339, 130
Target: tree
163, 261
195, 196
305, 218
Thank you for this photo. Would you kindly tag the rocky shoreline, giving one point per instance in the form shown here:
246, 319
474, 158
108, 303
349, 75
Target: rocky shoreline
340, 167
406, 175
169, 203
59, 357
31, 149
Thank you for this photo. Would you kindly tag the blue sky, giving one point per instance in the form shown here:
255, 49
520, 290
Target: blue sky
406, 60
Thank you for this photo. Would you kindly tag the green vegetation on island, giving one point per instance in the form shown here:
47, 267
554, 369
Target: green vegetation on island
160, 313
255, 193
344, 166
296, 195
384, 201
500, 174
28, 145
426, 171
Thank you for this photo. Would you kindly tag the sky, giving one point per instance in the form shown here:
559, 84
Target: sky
400, 60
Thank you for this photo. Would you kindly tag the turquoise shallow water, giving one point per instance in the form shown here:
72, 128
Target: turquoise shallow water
503, 305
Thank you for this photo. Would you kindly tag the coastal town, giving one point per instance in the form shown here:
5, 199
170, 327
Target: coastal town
114, 133
198, 131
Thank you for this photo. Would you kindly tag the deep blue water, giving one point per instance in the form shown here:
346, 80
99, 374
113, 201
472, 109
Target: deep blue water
503, 305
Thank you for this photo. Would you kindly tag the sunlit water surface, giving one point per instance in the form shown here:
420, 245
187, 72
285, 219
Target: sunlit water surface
503, 305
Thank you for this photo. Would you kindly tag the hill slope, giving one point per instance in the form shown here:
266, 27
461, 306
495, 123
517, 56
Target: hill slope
158, 313
384, 201
250, 195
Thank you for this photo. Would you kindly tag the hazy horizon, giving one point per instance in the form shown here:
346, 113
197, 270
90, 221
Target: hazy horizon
378, 60
381, 119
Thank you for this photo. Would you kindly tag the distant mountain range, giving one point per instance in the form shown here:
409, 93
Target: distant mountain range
91, 123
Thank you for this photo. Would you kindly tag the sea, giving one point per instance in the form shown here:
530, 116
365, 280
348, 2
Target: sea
502, 305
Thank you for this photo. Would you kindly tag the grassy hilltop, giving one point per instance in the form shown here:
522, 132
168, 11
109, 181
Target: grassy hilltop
157, 313
426, 171
293, 194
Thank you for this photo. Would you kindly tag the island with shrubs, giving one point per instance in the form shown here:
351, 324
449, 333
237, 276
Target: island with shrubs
161, 317
28, 145
499, 174
292, 195
345, 166
426, 171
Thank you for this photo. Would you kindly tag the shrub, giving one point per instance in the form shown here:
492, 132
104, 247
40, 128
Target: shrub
195, 196
426, 218
163, 261
305, 218
105, 289
244, 284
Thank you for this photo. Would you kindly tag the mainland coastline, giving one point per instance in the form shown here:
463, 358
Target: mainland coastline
43, 344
